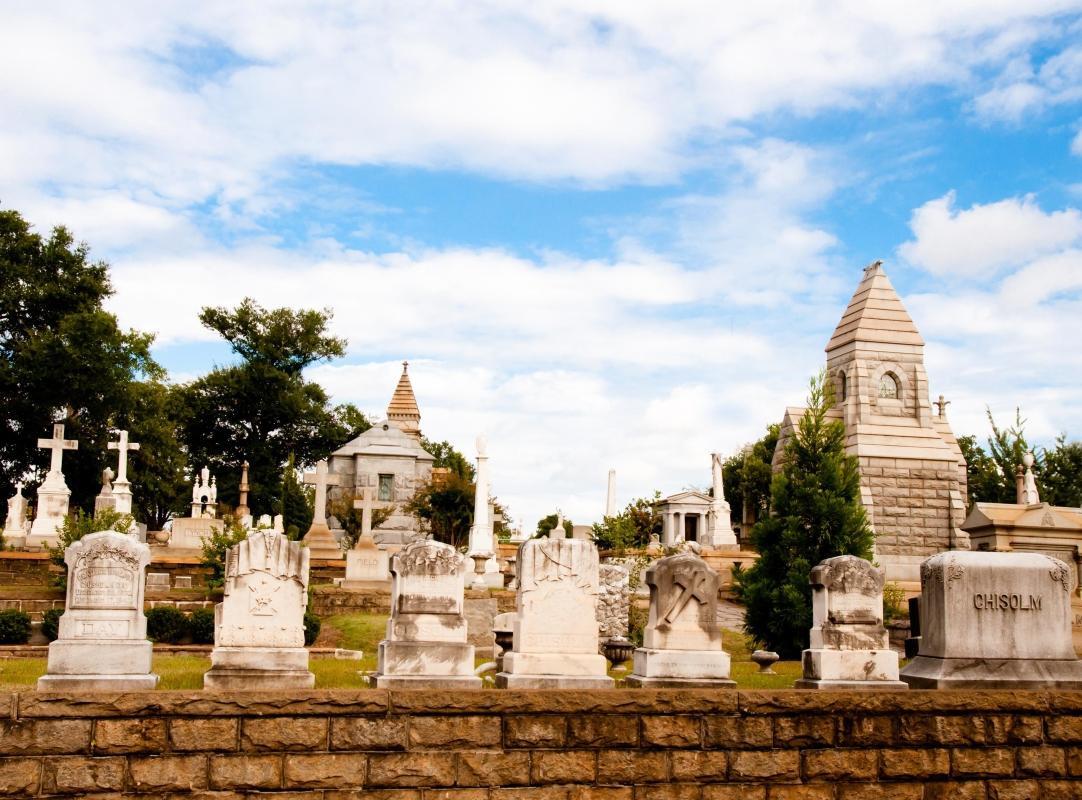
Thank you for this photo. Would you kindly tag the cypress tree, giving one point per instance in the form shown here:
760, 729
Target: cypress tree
815, 514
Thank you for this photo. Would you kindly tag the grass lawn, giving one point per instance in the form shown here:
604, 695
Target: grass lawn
363, 632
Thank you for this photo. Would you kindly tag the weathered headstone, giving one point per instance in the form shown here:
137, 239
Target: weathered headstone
259, 625
426, 644
157, 581
613, 601
105, 500
15, 523
367, 566
682, 641
53, 494
188, 533
182, 582
850, 647
102, 643
994, 621
555, 633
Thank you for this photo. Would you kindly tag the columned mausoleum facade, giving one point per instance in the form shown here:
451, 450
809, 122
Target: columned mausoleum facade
912, 473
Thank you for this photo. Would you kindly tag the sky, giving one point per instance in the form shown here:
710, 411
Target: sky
604, 234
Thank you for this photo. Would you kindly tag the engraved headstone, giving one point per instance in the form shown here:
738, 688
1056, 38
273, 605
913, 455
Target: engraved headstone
157, 581
182, 582
613, 601
994, 621
426, 644
682, 640
53, 494
15, 524
555, 629
102, 644
850, 647
367, 566
105, 500
319, 539
121, 488
259, 625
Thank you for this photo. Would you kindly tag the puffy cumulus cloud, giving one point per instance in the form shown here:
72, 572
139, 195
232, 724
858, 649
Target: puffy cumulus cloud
208, 102
1022, 90
985, 239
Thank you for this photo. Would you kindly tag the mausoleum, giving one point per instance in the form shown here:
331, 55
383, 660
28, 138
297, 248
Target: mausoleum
912, 472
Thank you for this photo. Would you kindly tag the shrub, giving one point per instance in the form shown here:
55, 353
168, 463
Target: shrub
636, 623
14, 627
50, 623
166, 624
201, 625
894, 605
311, 628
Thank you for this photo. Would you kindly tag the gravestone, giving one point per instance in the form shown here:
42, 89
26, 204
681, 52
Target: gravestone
188, 533
367, 566
426, 644
850, 647
482, 539
182, 582
994, 621
53, 494
259, 625
319, 539
682, 642
121, 487
15, 524
102, 643
555, 629
105, 500
157, 581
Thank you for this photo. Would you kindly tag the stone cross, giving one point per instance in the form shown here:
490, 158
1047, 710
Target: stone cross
123, 446
942, 404
58, 444
366, 511
321, 479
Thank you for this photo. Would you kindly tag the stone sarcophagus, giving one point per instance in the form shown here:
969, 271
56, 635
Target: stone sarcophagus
102, 642
995, 620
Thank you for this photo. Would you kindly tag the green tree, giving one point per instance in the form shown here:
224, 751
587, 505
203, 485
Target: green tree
77, 525
447, 457
62, 356
546, 524
294, 502
990, 473
215, 547
747, 475
351, 518
631, 528
444, 507
815, 514
263, 408
1062, 478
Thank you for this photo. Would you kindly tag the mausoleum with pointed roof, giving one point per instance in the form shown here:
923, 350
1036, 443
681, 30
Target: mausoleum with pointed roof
913, 474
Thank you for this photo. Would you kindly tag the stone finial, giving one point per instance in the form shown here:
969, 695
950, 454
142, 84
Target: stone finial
1030, 495
941, 406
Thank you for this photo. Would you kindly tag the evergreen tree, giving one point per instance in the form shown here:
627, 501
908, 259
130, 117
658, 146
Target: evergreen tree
815, 514
294, 502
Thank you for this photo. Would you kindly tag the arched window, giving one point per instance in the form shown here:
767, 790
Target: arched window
888, 386
843, 385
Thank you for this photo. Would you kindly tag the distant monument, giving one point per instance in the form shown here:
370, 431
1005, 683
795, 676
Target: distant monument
994, 621
105, 500
850, 647
15, 524
188, 533
909, 459
367, 566
122, 497
721, 536
53, 494
319, 540
610, 495
102, 643
482, 532
555, 629
242, 513
682, 641
426, 644
259, 625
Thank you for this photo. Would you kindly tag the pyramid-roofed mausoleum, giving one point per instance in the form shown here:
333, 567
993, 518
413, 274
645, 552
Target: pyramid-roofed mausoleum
913, 474
402, 411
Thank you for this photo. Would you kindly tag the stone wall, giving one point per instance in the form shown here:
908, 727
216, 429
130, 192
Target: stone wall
911, 502
602, 745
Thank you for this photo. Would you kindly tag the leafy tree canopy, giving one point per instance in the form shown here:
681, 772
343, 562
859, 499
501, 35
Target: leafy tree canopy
448, 457
815, 514
444, 507
546, 524
631, 528
747, 476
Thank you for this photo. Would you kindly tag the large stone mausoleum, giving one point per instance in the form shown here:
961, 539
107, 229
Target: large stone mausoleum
912, 472
388, 459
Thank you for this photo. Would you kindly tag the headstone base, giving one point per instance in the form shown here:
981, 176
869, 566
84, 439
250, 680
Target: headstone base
864, 686
506, 680
851, 666
436, 660
587, 665
427, 682
321, 543
240, 668
639, 682
711, 667
365, 586
16, 541
929, 672
80, 658
97, 683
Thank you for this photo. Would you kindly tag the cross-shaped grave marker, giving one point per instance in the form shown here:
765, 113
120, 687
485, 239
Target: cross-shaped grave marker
321, 479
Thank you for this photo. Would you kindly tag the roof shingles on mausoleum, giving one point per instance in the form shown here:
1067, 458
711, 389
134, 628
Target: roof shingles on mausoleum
875, 314
403, 411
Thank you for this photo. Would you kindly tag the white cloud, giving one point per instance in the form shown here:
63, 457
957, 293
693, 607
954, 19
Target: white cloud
985, 239
1021, 91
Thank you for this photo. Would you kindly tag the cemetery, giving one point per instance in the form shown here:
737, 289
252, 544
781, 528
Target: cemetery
225, 655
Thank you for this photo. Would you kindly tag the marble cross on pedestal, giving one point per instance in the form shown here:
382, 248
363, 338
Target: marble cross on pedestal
321, 479
123, 446
58, 444
365, 504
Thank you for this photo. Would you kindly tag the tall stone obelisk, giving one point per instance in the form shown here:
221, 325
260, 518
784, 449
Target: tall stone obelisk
482, 539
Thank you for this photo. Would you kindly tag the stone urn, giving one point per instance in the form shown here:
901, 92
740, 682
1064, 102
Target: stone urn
766, 660
504, 639
161, 537
479, 561
618, 650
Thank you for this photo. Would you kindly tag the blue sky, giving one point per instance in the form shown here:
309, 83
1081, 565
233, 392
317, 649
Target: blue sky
604, 234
